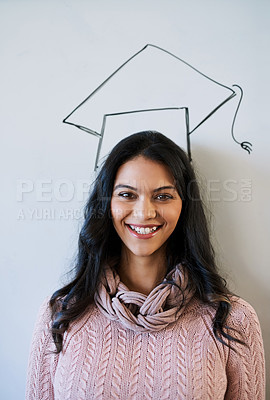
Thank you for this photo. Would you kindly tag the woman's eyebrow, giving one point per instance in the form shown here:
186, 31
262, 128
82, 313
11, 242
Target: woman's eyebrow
164, 187
155, 190
124, 186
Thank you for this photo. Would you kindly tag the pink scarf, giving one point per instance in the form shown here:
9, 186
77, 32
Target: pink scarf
139, 312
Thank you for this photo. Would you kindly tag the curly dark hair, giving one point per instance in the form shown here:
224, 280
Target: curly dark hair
100, 245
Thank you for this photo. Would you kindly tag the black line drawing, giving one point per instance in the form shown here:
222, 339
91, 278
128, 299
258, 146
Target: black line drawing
230, 93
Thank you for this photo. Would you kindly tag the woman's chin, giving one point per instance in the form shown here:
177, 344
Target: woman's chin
145, 251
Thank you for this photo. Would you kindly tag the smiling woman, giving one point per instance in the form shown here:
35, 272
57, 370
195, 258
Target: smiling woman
145, 212
147, 316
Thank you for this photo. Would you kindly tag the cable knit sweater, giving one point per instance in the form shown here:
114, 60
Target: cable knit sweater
131, 346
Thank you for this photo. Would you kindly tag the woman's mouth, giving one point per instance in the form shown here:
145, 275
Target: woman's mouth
143, 232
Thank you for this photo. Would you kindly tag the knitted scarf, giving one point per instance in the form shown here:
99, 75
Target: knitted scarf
140, 312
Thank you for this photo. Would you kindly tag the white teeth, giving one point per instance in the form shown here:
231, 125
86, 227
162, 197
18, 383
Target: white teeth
143, 231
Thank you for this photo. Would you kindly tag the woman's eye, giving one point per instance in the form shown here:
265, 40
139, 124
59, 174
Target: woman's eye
126, 195
164, 197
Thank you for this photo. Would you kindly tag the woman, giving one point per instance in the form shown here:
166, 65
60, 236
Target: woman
147, 315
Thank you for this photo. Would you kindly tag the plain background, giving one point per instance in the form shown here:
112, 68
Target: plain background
53, 54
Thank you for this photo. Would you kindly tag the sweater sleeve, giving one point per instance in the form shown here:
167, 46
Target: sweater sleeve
245, 365
42, 359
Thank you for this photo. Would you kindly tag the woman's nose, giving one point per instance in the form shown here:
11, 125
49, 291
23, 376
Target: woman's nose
145, 209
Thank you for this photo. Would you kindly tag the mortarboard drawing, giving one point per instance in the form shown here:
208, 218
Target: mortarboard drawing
149, 89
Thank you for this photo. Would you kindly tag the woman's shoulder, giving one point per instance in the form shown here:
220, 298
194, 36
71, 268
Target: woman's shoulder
44, 320
44, 312
240, 308
243, 316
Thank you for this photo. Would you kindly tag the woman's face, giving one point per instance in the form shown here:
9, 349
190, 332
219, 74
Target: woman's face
145, 206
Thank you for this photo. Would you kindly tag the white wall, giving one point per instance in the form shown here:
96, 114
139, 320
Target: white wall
53, 53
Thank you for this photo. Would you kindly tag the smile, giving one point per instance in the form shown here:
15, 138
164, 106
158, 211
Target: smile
143, 231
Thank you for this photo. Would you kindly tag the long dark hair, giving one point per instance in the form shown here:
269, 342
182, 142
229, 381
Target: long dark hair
99, 243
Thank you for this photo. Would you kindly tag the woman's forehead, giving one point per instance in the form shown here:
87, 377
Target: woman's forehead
141, 171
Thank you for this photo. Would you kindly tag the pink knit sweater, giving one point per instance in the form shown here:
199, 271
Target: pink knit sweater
116, 351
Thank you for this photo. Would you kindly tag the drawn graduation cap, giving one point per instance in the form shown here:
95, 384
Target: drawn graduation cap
152, 86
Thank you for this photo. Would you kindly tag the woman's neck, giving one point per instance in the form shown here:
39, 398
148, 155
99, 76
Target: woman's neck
142, 274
